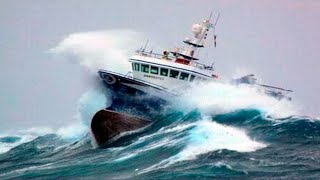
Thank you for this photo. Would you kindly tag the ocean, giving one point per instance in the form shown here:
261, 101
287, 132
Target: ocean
215, 131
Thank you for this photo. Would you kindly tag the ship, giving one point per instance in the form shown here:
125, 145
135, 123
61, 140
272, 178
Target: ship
162, 76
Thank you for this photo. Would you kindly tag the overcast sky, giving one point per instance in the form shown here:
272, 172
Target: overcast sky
278, 40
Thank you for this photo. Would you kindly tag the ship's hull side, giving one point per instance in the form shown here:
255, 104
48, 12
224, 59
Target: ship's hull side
122, 83
134, 97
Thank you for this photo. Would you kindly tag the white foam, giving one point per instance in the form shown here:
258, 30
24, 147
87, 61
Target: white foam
163, 132
92, 101
73, 131
108, 49
89, 103
149, 147
219, 98
208, 136
5, 147
25, 136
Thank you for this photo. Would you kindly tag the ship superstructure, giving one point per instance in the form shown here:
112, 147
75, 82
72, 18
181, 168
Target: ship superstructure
171, 70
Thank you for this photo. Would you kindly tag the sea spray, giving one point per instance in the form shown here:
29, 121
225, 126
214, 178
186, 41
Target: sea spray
218, 98
89, 103
109, 49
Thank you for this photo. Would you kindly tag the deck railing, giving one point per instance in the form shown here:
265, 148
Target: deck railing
172, 58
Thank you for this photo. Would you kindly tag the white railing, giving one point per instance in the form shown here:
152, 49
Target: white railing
154, 55
172, 58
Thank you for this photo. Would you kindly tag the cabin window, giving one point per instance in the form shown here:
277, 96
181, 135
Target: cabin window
201, 79
145, 68
136, 67
154, 70
132, 67
174, 74
192, 77
184, 76
164, 72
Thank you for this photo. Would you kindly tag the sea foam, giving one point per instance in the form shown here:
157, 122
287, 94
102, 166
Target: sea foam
207, 136
220, 98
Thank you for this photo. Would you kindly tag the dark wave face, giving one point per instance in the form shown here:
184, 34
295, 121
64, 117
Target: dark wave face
186, 141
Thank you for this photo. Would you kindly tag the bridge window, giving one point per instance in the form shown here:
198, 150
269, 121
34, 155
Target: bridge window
174, 74
154, 70
184, 76
136, 67
164, 72
192, 77
145, 68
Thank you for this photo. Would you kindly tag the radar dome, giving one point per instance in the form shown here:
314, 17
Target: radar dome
196, 29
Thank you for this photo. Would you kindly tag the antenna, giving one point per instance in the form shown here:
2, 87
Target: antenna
215, 24
145, 46
214, 30
210, 16
216, 20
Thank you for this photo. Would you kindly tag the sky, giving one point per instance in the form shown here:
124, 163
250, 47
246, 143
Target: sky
278, 40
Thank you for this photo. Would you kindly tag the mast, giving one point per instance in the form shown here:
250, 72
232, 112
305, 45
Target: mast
200, 33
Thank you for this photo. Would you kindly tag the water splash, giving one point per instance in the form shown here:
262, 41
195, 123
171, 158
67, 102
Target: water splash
207, 136
95, 50
210, 136
89, 103
219, 98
